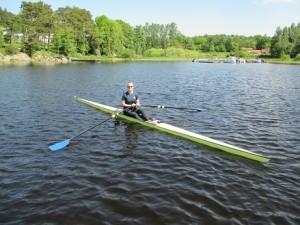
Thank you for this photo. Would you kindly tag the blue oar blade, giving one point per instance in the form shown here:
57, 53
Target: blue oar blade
59, 145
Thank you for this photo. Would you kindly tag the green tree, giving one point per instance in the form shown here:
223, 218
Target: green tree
64, 42
218, 42
103, 31
262, 41
1, 40
201, 43
127, 34
11, 49
5, 16
286, 41
96, 43
242, 41
280, 44
72, 29
80, 24
185, 42
11, 24
152, 32
139, 40
37, 21
164, 39
13, 27
230, 45
294, 38
172, 30
117, 38
111, 36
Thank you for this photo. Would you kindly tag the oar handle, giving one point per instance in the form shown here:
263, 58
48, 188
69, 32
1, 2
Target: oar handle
155, 106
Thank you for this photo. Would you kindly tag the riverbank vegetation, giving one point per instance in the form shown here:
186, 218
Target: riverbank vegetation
71, 31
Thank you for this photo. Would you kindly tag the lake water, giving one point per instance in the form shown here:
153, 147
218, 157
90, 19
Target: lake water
122, 173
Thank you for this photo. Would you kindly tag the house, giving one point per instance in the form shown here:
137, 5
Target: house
263, 51
17, 37
247, 49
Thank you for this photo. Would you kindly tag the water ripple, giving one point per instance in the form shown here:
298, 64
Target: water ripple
122, 173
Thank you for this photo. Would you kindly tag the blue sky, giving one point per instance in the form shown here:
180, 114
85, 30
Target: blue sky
193, 17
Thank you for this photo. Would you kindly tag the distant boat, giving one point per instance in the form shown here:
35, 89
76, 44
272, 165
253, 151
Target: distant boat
208, 60
254, 61
232, 60
241, 60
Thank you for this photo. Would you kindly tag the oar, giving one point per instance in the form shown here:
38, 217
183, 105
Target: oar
65, 143
171, 107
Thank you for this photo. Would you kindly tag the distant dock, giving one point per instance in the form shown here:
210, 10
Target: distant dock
72, 59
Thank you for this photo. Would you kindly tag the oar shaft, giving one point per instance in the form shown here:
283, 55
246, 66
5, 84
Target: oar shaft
172, 107
65, 143
89, 129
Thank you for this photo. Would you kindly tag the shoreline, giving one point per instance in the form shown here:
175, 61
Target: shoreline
23, 59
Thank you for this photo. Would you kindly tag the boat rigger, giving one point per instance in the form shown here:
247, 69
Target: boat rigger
164, 127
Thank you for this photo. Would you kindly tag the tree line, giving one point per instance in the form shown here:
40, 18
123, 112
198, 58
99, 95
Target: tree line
71, 30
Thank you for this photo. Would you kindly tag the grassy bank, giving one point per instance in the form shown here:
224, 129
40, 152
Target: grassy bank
145, 59
172, 58
283, 61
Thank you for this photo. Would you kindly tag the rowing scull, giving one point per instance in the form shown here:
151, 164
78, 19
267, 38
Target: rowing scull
179, 132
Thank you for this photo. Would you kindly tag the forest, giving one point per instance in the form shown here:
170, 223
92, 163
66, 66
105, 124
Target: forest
72, 31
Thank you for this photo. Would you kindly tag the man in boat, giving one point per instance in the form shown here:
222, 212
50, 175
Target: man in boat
131, 103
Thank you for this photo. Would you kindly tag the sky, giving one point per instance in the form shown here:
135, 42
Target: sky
193, 17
